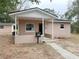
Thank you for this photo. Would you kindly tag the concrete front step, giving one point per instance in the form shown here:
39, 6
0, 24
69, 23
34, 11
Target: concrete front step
44, 39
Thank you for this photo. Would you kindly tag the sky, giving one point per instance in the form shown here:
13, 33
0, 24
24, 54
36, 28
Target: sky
60, 6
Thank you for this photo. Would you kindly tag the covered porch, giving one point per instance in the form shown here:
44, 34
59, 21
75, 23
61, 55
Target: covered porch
29, 22
26, 28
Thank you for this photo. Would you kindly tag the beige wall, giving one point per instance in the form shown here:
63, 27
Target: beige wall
58, 32
25, 36
29, 37
48, 29
22, 24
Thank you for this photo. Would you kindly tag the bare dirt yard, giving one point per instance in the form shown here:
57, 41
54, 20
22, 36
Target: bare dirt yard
71, 45
25, 51
75, 38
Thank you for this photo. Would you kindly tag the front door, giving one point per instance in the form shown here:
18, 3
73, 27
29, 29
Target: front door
40, 28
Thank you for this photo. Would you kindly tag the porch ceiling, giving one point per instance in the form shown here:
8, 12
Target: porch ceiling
33, 18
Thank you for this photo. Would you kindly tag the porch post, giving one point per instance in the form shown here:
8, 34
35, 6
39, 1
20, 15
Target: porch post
52, 30
43, 29
15, 24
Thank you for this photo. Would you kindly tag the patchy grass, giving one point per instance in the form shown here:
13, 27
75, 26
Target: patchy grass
25, 51
71, 45
75, 38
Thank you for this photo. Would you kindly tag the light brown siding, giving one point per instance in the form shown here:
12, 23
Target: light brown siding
61, 33
24, 36
22, 24
48, 29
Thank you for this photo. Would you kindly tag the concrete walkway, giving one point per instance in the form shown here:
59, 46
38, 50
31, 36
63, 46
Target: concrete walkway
66, 54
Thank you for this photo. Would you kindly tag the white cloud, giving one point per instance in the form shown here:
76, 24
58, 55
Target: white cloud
58, 5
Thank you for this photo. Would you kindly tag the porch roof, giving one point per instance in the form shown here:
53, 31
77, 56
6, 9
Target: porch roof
56, 20
36, 8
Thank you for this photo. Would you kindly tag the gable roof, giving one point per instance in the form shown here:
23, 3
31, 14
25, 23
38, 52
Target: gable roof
43, 11
36, 8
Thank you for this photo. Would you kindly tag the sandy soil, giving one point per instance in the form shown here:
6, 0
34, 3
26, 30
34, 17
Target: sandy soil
71, 45
25, 51
74, 38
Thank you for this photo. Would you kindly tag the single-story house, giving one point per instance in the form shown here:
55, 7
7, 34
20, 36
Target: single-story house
34, 20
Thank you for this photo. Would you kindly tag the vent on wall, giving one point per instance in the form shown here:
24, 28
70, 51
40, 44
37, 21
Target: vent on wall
62, 26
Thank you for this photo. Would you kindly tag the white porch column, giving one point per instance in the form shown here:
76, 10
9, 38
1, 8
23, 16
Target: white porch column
52, 30
43, 29
15, 24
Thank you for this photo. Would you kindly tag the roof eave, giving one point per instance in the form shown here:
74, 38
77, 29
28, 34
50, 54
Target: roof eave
36, 8
62, 21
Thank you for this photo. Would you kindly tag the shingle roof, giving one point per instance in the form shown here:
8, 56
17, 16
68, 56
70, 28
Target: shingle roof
61, 19
57, 20
30, 9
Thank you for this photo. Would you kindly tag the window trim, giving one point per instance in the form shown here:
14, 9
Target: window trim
61, 27
31, 30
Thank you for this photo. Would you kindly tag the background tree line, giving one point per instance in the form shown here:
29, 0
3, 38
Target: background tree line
73, 13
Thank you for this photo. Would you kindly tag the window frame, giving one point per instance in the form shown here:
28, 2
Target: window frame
61, 27
29, 30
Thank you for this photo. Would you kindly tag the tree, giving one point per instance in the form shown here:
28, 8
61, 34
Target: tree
75, 27
5, 7
9, 5
52, 11
73, 12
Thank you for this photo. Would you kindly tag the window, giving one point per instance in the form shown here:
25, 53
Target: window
62, 26
1, 26
29, 27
